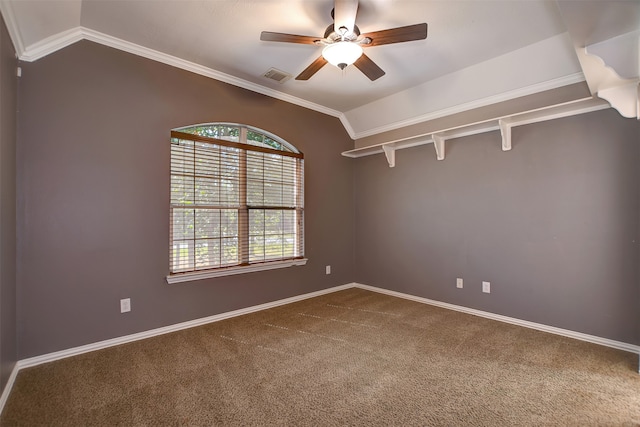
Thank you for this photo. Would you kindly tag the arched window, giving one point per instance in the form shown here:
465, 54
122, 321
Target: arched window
236, 201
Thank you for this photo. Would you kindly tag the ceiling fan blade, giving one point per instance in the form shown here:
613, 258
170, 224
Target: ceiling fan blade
312, 69
369, 68
268, 36
344, 15
397, 35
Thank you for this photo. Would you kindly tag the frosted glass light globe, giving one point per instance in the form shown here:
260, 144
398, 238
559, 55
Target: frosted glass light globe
342, 54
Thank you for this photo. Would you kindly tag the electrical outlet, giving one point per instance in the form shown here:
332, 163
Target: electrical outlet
125, 305
459, 283
486, 287
327, 269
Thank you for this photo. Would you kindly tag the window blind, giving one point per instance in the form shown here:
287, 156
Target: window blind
234, 201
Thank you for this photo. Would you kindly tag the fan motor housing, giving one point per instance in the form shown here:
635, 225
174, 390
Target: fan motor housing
331, 34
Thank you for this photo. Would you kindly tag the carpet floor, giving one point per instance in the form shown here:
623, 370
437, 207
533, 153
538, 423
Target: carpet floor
348, 358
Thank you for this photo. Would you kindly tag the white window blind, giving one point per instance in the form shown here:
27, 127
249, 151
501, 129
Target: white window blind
236, 198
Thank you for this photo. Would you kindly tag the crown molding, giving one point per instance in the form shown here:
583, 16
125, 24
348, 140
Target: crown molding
347, 126
66, 38
483, 102
12, 26
51, 44
61, 40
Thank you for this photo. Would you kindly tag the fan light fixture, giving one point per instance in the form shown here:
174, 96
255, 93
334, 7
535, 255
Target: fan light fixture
342, 53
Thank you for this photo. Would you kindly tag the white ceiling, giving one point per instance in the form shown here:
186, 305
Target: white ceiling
477, 52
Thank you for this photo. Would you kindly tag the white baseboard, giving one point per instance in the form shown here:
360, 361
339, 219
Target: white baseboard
524, 323
50, 357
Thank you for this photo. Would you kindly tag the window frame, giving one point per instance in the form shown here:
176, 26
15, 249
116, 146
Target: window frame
244, 265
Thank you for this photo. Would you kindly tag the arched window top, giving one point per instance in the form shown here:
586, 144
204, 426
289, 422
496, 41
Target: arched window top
233, 132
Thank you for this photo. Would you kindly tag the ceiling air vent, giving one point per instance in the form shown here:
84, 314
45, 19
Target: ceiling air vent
277, 75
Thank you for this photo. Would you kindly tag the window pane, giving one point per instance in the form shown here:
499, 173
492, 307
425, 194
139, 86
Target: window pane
181, 190
289, 245
272, 222
288, 196
207, 223
289, 222
182, 258
228, 133
256, 248
255, 193
182, 156
229, 162
273, 247
229, 192
272, 194
256, 222
289, 169
273, 168
183, 226
207, 253
229, 223
255, 138
208, 160
271, 143
229, 251
207, 192
255, 165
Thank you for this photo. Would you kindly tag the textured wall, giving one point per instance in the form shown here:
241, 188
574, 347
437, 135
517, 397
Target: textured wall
553, 224
93, 184
8, 108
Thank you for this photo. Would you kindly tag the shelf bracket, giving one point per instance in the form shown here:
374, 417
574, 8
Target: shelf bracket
438, 143
505, 130
624, 98
390, 153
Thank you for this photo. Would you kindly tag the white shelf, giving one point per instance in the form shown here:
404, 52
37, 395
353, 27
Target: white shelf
504, 124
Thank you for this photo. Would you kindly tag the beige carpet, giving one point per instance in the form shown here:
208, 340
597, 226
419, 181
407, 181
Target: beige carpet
349, 358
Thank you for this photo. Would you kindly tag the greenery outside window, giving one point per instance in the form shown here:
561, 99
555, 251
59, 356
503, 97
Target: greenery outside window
237, 202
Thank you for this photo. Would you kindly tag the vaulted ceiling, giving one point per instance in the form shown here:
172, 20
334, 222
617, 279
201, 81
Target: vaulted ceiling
477, 52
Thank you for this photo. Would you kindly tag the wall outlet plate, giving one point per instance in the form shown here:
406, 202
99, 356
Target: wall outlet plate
327, 269
486, 287
459, 283
125, 305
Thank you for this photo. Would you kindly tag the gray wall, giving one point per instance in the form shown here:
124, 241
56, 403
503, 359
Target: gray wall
553, 224
93, 197
8, 108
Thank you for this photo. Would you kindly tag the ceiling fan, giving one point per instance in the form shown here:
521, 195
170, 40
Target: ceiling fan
343, 42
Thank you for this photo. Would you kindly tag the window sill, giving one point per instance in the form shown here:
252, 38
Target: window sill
239, 269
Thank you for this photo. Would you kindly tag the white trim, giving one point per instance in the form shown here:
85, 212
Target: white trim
75, 351
483, 102
229, 271
51, 44
66, 38
12, 26
347, 126
518, 322
155, 55
50, 357
552, 112
8, 386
